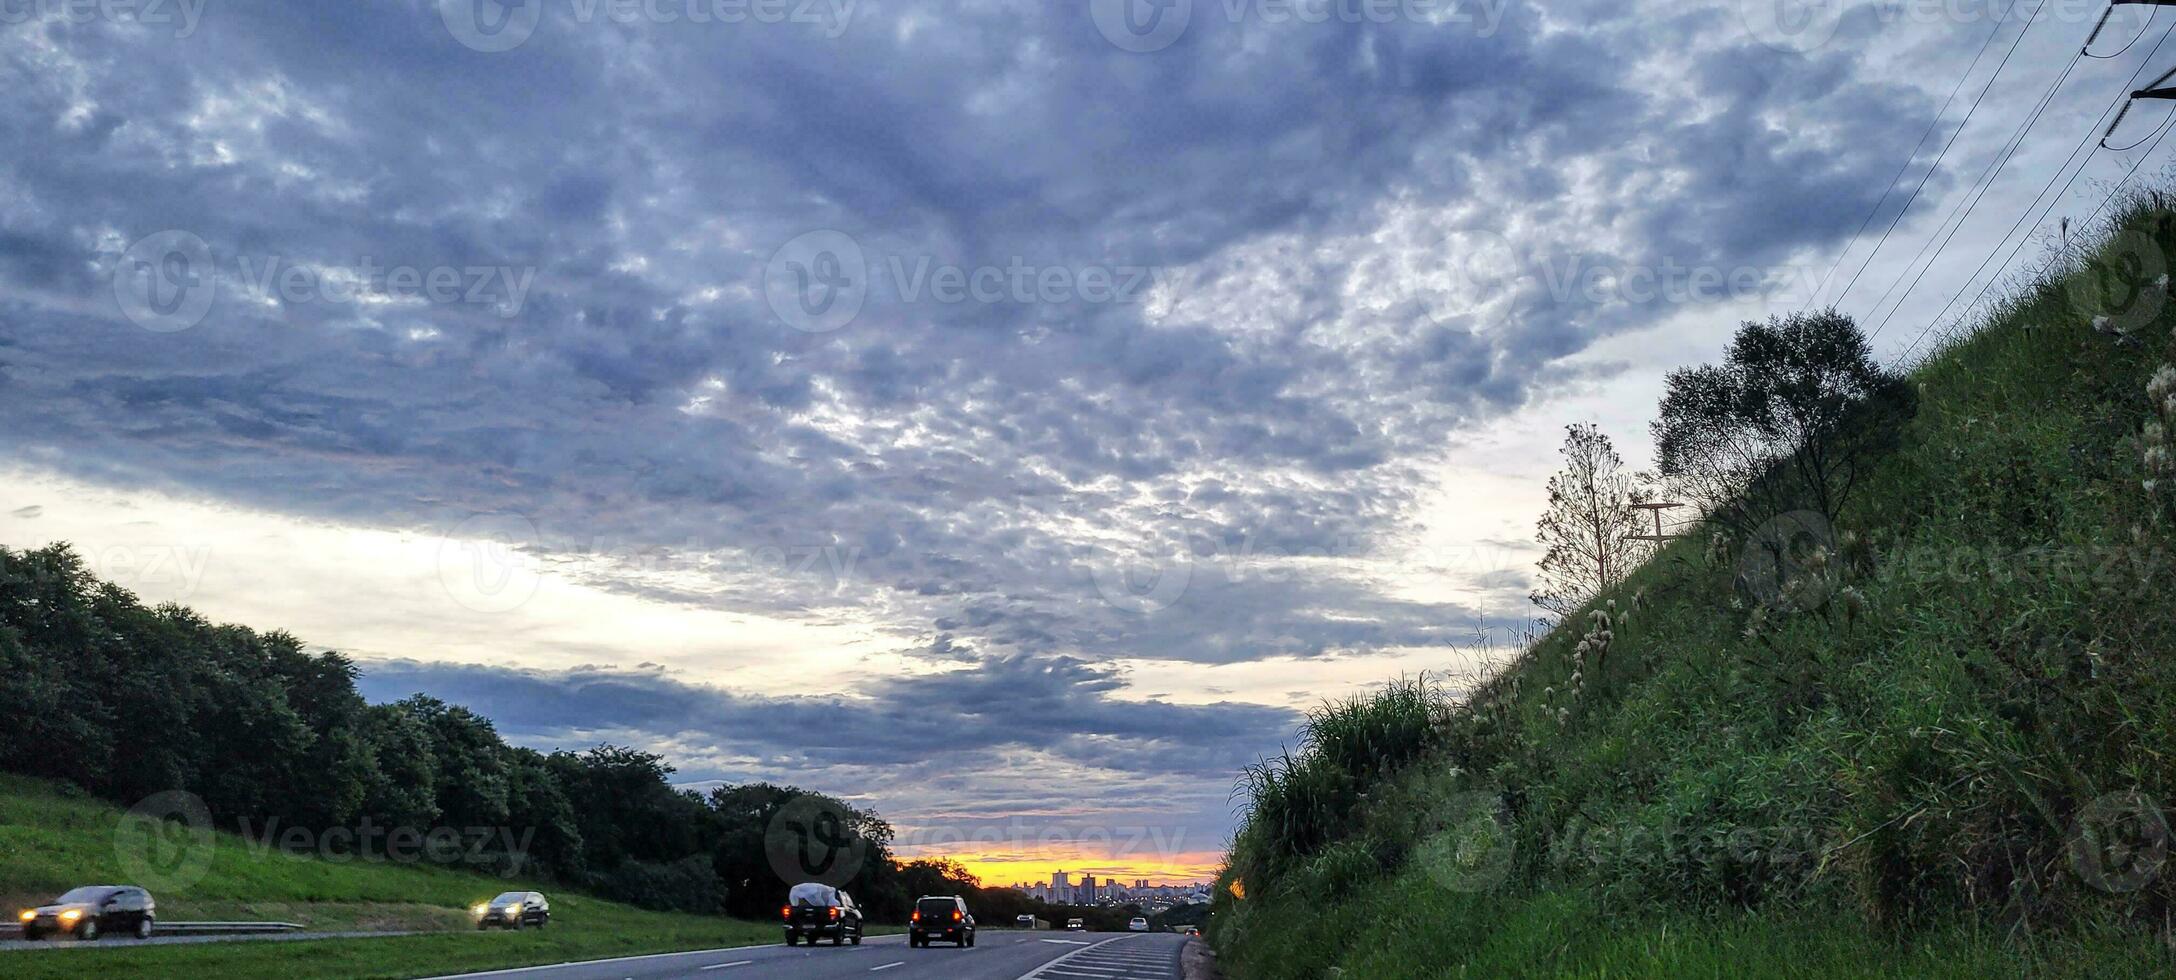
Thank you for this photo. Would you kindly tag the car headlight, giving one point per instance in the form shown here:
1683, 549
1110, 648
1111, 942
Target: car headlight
481, 909
71, 915
28, 915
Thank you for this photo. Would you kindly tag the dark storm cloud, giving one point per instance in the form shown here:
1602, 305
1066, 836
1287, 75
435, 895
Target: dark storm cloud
1276, 389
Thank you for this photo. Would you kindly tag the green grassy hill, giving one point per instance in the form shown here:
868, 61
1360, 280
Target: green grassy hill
53, 838
1946, 750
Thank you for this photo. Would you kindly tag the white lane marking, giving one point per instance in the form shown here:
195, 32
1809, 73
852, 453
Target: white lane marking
887, 966
1038, 971
721, 966
1070, 942
624, 959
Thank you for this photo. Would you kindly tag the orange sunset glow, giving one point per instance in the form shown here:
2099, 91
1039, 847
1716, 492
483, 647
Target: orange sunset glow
999, 867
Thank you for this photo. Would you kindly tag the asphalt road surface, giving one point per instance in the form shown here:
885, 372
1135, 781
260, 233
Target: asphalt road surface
995, 956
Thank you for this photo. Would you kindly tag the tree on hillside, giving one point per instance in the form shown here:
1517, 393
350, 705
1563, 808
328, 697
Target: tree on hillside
1787, 422
1589, 526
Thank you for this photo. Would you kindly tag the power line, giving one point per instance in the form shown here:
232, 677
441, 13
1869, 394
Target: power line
1938, 157
1969, 202
1932, 125
2083, 143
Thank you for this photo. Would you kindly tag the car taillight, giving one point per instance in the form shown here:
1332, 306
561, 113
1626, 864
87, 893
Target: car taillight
834, 911
955, 915
786, 912
916, 917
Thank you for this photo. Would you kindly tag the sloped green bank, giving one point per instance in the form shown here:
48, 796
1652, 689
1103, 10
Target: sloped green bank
1941, 743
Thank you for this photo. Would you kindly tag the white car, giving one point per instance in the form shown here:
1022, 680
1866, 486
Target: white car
1075, 925
1138, 924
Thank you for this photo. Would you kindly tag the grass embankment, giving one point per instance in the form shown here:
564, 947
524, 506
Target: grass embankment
51, 840
1944, 749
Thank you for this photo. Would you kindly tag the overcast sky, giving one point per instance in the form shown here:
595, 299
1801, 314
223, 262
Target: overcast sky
1086, 388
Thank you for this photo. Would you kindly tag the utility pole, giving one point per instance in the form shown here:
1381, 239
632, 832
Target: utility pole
1656, 509
2156, 89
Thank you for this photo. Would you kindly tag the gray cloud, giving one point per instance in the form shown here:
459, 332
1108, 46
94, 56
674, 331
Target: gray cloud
990, 467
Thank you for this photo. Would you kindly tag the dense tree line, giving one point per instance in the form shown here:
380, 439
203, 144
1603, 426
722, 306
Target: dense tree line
128, 701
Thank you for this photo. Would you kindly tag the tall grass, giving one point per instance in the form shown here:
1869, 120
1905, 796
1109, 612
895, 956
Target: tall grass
1969, 734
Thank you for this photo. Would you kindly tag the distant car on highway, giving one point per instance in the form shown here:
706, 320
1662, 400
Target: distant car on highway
1024, 921
1075, 925
92, 911
1137, 924
943, 918
815, 910
514, 910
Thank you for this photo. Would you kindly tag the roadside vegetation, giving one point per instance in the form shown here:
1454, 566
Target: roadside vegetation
1903, 705
53, 836
254, 733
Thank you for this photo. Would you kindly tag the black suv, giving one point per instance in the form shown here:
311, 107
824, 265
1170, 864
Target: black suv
941, 917
815, 910
92, 911
514, 910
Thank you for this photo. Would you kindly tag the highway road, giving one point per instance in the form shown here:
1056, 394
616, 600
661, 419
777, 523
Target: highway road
996, 955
